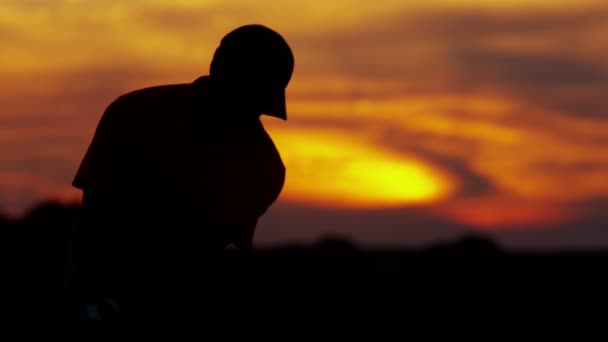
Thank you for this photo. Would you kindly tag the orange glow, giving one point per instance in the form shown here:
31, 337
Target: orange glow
338, 170
17, 185
423, 113
496, 213
526, 158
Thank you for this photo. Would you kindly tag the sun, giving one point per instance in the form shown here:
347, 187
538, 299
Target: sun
331, 168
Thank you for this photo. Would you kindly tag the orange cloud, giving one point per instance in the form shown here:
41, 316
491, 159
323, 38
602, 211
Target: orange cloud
496, 213
338, 170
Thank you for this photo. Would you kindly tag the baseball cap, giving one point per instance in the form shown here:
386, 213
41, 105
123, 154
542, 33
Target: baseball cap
258, 60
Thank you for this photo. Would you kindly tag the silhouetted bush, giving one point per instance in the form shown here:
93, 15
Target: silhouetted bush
468, 245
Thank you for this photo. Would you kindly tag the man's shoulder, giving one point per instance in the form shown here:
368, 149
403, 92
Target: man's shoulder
154, 95
142, 107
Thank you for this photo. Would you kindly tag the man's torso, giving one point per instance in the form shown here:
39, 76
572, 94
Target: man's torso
161, 148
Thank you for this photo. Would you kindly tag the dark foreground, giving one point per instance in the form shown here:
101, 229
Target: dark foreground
329, 289
334, 289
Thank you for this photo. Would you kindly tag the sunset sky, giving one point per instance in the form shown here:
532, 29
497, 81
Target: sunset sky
409, 121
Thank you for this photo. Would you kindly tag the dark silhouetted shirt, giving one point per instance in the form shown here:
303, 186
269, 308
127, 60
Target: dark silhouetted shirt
169, 161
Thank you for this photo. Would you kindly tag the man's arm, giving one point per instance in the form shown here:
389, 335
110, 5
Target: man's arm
104, 159
242, 237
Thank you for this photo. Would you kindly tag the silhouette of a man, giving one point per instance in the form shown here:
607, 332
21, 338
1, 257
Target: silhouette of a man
186, 169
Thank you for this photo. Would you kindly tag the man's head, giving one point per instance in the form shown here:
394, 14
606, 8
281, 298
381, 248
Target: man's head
256, 64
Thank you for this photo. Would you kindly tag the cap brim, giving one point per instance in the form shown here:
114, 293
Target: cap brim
276, 105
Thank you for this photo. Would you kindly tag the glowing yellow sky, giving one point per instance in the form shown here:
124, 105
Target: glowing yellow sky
339, 170
481, 105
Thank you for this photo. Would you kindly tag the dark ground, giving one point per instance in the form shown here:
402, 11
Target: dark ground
330, 289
